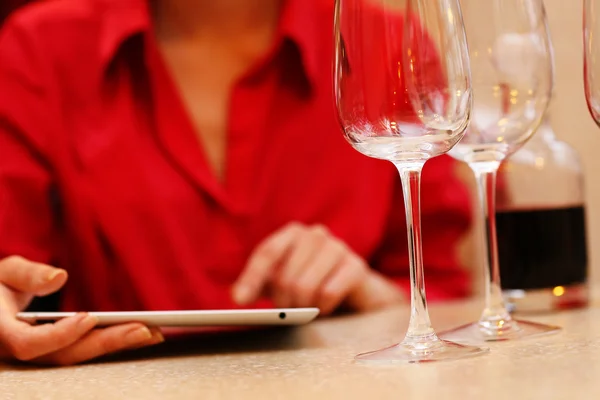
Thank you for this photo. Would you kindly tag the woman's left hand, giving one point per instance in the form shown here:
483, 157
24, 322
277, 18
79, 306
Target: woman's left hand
306, 266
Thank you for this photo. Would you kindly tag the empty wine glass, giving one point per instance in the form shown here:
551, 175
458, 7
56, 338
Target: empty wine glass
591, 55
402, 93
512, 76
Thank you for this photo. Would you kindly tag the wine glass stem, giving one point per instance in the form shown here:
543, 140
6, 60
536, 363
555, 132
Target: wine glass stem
494, 316
419, 328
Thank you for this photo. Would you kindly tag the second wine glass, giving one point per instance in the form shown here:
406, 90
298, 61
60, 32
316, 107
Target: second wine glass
512, 77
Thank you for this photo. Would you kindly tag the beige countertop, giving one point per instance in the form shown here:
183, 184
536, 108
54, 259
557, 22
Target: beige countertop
316, 362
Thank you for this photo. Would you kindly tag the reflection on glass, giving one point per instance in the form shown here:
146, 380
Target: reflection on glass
402, 87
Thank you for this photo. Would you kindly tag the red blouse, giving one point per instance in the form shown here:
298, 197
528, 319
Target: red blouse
101, 172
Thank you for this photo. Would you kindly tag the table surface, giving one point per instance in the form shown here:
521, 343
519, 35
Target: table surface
316, 362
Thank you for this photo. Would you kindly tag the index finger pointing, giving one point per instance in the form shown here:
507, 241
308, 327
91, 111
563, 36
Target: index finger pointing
262, 263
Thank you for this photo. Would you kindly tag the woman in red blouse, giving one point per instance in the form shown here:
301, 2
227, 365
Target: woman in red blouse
170, 156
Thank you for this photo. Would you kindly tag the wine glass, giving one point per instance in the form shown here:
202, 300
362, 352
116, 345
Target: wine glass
512, 79
591, 53
402, 93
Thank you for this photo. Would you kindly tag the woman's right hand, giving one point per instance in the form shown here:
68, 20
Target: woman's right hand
68, 341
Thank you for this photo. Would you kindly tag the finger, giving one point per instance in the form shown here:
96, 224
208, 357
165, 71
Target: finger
374, 292
31, 277
100, 342
8, 302
305, 250
306, 286
262, 263
157, 338
343, 280
26, 342
301, 253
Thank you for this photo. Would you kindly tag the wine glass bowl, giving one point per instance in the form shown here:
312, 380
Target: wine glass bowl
511, 76
402, 92
390, 104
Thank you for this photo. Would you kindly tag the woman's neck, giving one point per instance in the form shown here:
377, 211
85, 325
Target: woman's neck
219, 19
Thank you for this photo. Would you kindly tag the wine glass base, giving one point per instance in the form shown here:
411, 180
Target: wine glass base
475, 333
409, 353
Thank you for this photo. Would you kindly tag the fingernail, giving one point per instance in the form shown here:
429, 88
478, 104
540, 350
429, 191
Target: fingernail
241, 295
53, 274
158, 337
138, 335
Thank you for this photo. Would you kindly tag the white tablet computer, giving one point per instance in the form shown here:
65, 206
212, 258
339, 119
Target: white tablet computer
254, 317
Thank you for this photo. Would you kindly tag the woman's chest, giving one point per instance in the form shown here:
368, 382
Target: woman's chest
137, 170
